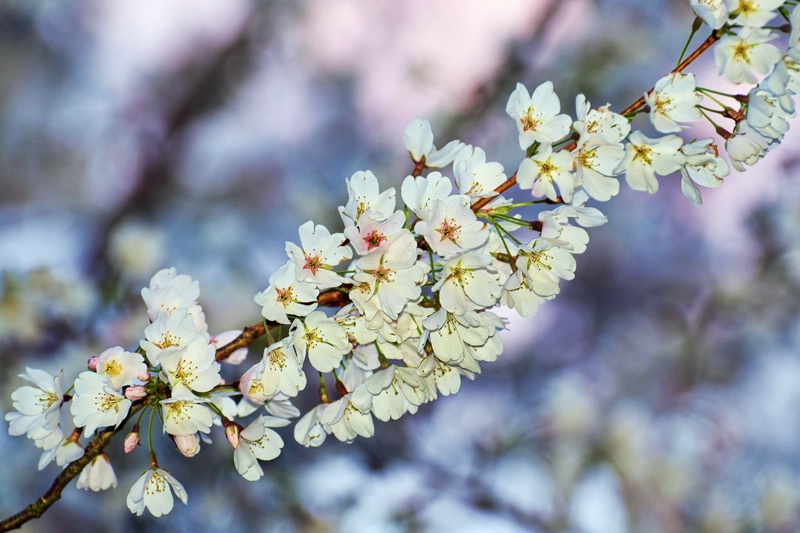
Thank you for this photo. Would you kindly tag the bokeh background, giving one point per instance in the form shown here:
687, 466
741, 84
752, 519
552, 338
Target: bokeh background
659, 393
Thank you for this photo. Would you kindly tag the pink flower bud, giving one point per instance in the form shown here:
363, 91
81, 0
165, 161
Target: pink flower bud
188, 445
232, 432
144, 377
135, 393
93, 363
131, 441
237, 357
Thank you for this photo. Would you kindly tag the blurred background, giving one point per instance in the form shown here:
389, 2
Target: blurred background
659, 393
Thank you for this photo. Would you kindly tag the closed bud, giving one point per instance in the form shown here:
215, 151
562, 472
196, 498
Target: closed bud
135, 393
188, 445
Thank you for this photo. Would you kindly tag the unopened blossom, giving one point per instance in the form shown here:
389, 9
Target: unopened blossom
321, 339
153, 491
286, 295
37, 407
418, 138
97, 475
452, 228
756, 13
546, 169
318, 253
537, 115
740, 56
97, 403
673, 100
134, 393
131, 441
703, 167
419, 193
187, 445
258, 441
121, 367
646, 157
364, 195
476, 177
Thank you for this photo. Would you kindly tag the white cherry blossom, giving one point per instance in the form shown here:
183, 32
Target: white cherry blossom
279, 371
318, 253
703, 167
476, 177
121, 367
756, 13
37, 408
193, 365
364, 195
674, 99
97, 475
738, 56
467, 282
286, 295
452, 227
96, 403
258, 441
419, 193
545, 169
646, 157
418, 138
153, 491
712, 12
321, 339
186, 414
537, 115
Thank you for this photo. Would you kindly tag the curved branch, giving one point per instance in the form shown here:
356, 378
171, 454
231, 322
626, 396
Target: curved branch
93, 449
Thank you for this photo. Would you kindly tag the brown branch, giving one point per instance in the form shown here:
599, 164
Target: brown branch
705, 45
328, 298
93, 449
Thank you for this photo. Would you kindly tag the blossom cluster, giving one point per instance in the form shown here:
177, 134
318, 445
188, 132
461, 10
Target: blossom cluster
421, 274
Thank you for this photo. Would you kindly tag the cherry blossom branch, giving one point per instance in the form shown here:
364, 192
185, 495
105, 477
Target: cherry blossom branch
94, 448
705, 45
328, 298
